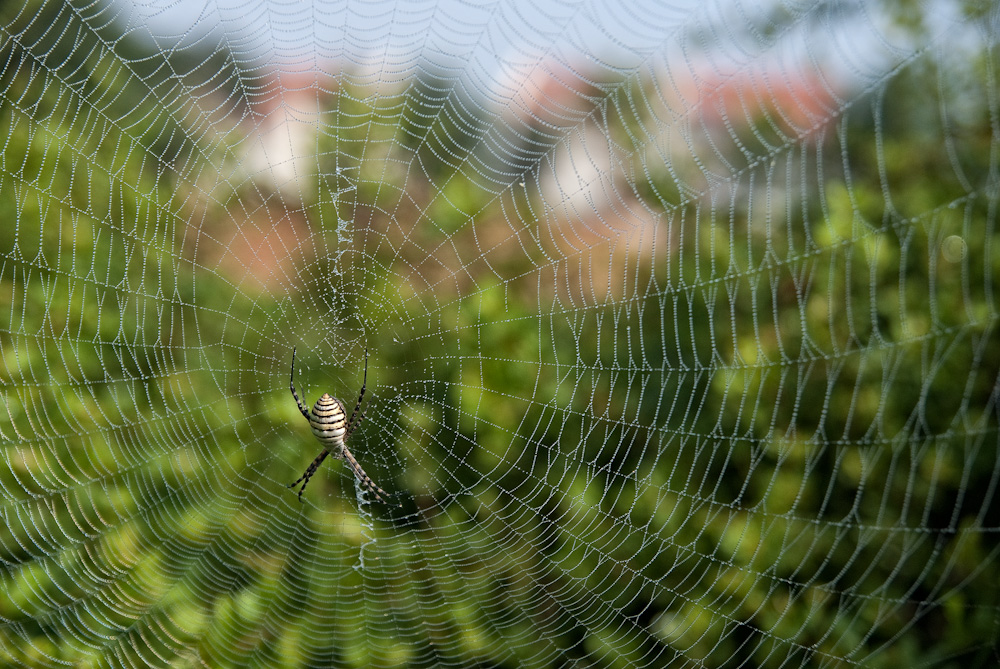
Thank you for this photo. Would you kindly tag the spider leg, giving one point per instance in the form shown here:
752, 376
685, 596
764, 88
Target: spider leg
310, 471
350, 429
291, 384
366, 481
351, 424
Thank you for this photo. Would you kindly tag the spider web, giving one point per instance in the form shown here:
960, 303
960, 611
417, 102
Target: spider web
682, 329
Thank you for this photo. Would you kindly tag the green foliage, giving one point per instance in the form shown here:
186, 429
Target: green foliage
772, 440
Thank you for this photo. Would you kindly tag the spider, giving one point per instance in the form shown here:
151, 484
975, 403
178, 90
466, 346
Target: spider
329, 424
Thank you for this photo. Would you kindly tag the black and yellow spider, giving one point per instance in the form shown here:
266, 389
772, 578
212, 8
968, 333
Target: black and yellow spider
329, 424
